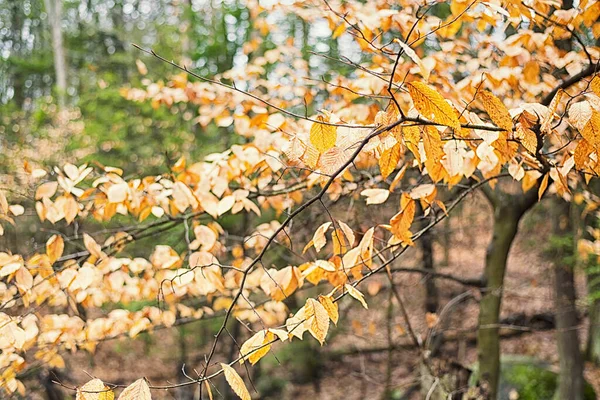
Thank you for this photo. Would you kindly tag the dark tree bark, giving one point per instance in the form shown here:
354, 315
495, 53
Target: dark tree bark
570, 382
508, 210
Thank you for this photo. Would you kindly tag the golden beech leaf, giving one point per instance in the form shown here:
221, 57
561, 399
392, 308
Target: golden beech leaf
46, 190
255, 348
547, 121
320, 320
496, 110
352, 291
595, 85
389, 159
235, 382
338, 31
413, 56
432, 105
528, 139
402, 221
582, 154
323, 136
543, 186
319, 239
55, 247
375, 196
330, 307
138, 390
591, 130
94, 390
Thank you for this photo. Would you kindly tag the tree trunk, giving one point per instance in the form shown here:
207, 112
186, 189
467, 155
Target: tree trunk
54, 10
508, 210
592, 350
506, 222
570, 382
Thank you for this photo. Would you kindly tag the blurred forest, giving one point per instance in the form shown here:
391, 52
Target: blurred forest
74, 89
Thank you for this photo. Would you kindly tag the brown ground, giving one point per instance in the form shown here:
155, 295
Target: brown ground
362, 375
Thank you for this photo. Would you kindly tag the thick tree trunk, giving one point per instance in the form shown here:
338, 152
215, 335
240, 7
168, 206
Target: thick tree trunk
570, 382
508, 210
506, 221
54, 10
592, 351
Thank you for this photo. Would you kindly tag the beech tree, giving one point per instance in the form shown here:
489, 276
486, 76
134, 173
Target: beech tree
440, 100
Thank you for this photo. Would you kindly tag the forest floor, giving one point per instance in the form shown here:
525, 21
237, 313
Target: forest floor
357, 362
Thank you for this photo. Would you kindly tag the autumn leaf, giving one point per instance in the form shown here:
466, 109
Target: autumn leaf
235, 382
255, 348
389, 160
413, 56
591, 130
320, 319
55, 247
595, 85
330, 307
402, 221
432, 105
352, 291
496, 110
375, 196
323, 136
138, 390
94, 390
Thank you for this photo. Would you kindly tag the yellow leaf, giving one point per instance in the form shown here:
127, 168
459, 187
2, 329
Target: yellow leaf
94, 390
46, 190
496, 110
389, 159
543, 187
402, 221
236, 382
319, 240
323, 136
375, 196
595, 85
352, 291
55, 247
117, 193
330, 307
528, 139
547, 121
413, 56
255, 348
320, 322
432, 105
591, 130
582, 154
138, 390
338, 31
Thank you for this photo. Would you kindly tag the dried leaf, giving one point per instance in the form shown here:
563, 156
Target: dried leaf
413, 56
320, 319
496, 110
94, 390
352, 291
235, 382
432, 105
323, 136
138, 390
330, 307
389, 160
